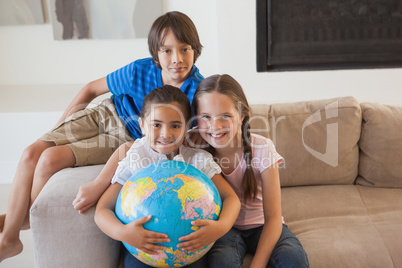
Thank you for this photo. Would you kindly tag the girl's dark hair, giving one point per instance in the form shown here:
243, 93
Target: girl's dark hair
166, 94
183, 29
227, 85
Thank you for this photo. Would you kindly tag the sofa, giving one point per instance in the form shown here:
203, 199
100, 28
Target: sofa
341, 189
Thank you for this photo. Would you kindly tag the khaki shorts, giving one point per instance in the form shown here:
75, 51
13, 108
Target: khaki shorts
93, 134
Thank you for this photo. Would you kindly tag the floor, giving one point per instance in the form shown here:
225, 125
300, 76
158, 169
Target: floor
26, 258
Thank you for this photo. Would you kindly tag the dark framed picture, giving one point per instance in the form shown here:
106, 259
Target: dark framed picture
328, 34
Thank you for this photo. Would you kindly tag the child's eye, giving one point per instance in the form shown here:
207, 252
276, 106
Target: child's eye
205, 117
225, 116
187, 49
165, 50
156, 125
176, 126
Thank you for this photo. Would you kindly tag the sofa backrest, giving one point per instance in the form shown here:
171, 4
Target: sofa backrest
381, 146
318, 139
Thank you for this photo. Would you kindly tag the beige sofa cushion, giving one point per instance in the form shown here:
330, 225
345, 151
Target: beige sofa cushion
318, 139
346, 225
381, 146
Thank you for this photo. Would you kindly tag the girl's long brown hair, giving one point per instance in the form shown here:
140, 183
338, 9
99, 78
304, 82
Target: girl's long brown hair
227, 85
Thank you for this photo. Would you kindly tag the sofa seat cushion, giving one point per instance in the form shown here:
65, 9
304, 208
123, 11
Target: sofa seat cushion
318, 139
381, 146
341, 225
384, 207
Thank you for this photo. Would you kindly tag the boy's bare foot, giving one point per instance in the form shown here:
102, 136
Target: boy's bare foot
9, 249
2, 219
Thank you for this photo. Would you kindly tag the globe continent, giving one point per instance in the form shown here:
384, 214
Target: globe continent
174, 193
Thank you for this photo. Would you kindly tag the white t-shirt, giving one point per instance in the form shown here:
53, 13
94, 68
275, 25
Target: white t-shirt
141, 155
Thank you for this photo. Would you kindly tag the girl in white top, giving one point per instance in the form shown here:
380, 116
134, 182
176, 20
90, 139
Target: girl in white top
163, 121
250, 165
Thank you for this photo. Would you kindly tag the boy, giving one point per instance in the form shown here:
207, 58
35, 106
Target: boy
90, 136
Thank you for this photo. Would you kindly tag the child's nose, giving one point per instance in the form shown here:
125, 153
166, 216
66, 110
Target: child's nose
165, 132
216, 123
177, 57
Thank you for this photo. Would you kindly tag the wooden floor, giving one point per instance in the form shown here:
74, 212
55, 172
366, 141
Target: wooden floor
26, 258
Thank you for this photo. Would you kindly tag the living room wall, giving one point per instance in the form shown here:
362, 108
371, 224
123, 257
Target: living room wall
29, 55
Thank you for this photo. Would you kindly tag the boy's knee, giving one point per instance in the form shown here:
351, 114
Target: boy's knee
45, 162
31, 154
52, 154
51, 159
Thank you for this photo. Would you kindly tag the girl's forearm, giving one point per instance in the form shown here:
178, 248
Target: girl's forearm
105, 217
269, 237
230, 212
109, 224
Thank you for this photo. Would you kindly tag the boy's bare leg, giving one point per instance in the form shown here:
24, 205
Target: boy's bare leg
19, 199
51, 161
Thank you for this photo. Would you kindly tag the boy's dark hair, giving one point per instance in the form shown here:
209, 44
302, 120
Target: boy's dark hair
166, 95
183, 29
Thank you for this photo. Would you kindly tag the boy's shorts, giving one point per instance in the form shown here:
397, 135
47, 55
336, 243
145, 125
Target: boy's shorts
93, 134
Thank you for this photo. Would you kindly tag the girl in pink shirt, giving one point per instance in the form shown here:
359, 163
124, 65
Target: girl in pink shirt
249, 163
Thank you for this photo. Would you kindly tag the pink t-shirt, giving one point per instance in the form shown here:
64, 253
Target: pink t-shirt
263, 156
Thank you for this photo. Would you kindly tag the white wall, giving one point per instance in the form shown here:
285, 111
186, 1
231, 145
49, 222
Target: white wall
29, 56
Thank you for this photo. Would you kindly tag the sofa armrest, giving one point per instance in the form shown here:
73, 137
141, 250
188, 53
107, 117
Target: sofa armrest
61, 236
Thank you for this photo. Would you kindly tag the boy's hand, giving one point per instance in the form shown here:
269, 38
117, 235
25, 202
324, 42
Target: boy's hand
143, 239
87, 196
209, 232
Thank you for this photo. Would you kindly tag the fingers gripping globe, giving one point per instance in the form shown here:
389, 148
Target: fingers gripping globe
175, 194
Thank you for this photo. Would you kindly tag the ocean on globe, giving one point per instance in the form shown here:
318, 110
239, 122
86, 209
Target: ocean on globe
174, 193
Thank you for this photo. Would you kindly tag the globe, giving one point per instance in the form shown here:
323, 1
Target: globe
174, 193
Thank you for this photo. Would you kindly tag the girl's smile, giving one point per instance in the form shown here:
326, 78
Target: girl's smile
216, 135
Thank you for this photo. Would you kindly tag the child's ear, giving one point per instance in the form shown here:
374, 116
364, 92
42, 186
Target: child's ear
142, 127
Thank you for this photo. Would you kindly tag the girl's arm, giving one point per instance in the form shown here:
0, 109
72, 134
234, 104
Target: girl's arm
271, 194
88, 194
89, 92
133, 233
211, 230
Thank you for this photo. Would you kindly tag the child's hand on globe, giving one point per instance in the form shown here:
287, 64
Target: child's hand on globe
207, 233
143, 239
